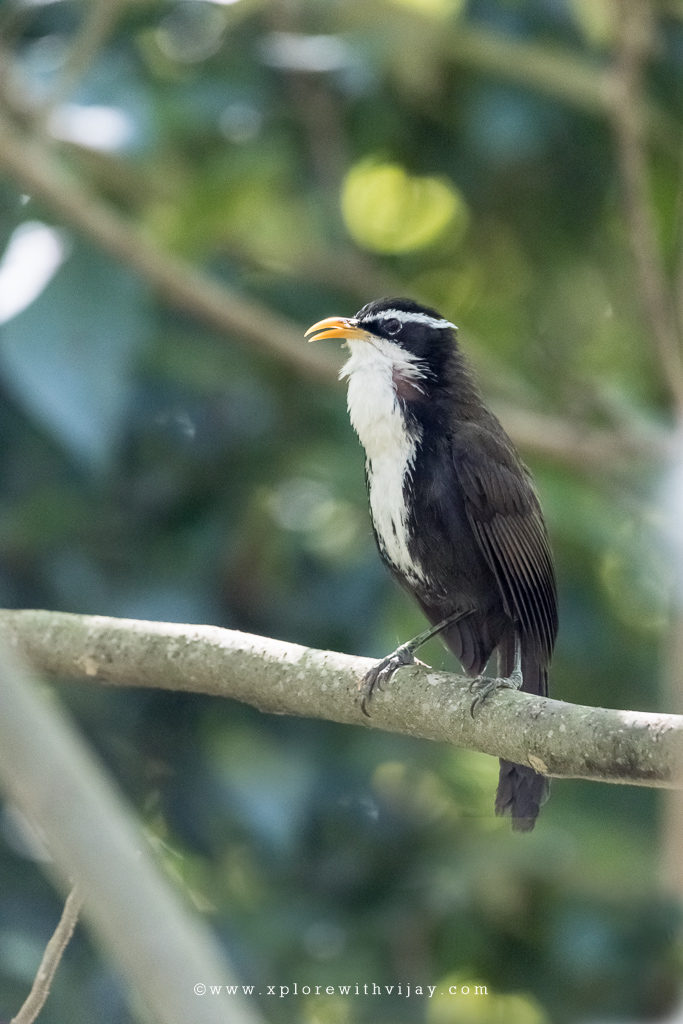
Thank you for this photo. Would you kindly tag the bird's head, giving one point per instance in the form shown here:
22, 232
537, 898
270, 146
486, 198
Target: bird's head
399, 325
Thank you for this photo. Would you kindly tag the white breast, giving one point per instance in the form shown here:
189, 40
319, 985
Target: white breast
390, 449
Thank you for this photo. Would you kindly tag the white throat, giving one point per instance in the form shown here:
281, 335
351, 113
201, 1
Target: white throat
390, 448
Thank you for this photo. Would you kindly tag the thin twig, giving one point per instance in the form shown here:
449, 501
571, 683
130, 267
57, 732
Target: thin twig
99, 20
52, 956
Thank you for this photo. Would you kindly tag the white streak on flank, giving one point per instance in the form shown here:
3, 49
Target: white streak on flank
390, 448
406, 317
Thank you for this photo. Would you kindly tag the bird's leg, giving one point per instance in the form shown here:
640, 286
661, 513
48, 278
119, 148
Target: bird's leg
403, 655
483, 686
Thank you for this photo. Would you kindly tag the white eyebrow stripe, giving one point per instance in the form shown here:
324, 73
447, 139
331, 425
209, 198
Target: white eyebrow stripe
406, 317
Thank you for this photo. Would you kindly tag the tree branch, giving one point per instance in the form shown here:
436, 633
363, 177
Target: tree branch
559, 739
551, 70
42, 983
585, 447
634, 33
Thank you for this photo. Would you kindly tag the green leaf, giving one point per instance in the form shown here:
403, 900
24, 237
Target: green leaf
68, 356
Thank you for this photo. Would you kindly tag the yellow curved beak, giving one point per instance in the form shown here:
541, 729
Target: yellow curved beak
337, 327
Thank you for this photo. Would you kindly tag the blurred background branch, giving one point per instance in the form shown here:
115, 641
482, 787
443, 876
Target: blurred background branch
97, 25
634, 44
161, 950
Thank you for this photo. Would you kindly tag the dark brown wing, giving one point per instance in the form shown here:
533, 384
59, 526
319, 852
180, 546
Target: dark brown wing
507, 522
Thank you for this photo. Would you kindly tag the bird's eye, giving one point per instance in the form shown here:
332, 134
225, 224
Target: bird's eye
391, 326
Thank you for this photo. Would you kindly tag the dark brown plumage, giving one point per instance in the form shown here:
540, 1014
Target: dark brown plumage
454, 509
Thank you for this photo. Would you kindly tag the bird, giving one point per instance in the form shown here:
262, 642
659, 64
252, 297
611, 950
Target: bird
454, 512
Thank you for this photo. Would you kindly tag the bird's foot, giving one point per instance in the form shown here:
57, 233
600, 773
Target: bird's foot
383, 671
483, 686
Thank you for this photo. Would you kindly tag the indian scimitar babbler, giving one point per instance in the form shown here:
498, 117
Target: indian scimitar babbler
454, 511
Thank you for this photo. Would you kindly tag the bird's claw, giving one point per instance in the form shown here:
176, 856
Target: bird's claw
383, 671
483, 686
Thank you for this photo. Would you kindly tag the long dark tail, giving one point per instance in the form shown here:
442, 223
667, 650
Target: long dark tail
521, 790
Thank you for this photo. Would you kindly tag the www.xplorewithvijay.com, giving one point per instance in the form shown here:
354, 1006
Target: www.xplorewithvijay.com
399, 990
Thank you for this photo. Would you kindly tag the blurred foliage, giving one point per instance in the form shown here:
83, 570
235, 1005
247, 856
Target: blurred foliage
315, 156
